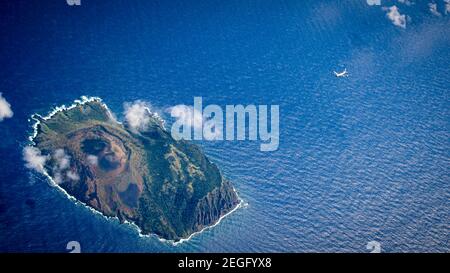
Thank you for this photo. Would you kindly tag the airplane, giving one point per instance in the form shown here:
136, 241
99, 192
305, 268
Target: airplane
341, 74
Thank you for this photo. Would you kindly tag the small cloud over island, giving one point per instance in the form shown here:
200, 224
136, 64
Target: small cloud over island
92, 160
187, 115
33, 158
62, 166
137, 115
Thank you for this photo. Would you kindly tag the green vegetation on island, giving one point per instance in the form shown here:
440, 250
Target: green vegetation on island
166, 187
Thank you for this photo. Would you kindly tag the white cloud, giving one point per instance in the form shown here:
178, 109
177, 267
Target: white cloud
5, 108
62, 163
34, 159
73, 175
190, 118
187, 115
406, 2
92, 160
62, 159
137, 115
57, 177
433, 9
447, 6
373, 2
396, 18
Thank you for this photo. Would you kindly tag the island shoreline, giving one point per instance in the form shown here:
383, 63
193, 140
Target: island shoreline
86, 99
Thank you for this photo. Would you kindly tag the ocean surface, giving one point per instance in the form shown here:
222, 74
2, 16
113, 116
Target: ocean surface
363, 158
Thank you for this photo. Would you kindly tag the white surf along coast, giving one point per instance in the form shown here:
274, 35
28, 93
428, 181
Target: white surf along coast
83, 100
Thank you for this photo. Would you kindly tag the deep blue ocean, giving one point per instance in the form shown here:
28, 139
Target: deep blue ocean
363, 158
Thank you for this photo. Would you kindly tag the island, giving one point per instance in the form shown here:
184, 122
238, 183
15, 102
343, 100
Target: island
163, 186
